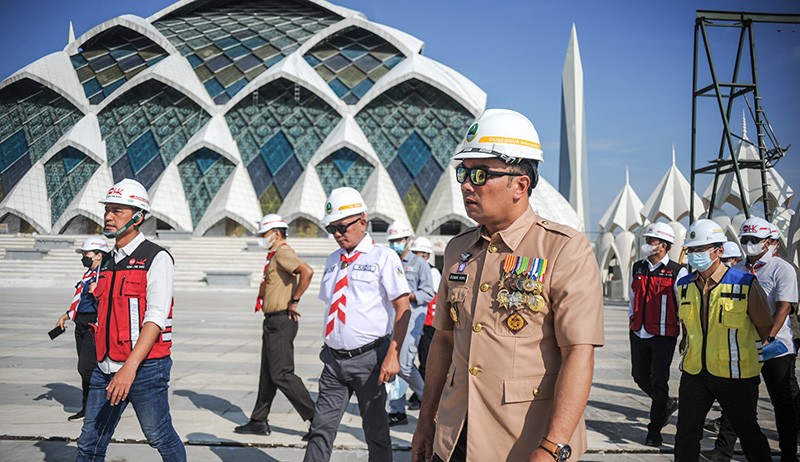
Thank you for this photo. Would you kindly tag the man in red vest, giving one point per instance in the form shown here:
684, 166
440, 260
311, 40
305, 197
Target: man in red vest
653, 313
134, 332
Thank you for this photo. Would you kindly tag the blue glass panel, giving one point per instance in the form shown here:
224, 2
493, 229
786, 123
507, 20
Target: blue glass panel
218, 62
131, 62
288, 175
428, 177
226, 42
101, 62
122, 169
14, 147
273, 60
350, 98
71, 158
14, 173
236, 86
222, 98
312, 60
354, 52
392, 62
277, 151
259, 175
237, 52
91, 87
247, 63
255, 42
156, 59
142, 151
214, 88
362, 88
399, 174
338, 87
344, 159
78, 61
120, 53
150, 173
113, 86
194, 60
205, 159
414, 153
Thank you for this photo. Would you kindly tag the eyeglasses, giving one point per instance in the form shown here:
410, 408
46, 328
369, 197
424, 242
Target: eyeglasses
751, 239
341, 229
702, 249
479, 175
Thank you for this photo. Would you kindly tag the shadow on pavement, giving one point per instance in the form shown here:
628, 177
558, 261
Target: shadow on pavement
67, 395
219, 406
57, 451
232, 451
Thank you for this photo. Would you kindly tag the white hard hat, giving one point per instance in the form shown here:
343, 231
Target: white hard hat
775, 233
399, 230
269, 222
422, 244
757, 227
128, 192
501, 133
343, 202
93, 243
703, 232
731, 250
661, 231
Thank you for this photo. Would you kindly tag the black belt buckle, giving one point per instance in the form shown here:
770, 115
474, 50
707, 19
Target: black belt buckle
362, 349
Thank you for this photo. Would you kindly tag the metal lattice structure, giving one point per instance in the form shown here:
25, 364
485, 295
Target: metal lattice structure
725, 93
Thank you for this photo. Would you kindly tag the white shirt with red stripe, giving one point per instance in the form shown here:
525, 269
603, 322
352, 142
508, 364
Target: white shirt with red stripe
374, 280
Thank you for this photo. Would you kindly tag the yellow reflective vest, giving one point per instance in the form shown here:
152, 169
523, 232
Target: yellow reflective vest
729, 346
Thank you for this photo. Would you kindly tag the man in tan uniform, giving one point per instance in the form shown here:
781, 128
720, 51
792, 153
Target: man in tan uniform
285, 280
510, 367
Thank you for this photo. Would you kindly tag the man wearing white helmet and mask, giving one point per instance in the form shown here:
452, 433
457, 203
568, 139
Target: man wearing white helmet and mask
134, 332
284, 280
779, 281
731, 254
423, 248
724, 317
366, 300
83, 312
520, 313
420, 283
653, 314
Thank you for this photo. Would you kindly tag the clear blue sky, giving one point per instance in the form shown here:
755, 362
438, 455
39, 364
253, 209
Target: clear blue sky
637, 61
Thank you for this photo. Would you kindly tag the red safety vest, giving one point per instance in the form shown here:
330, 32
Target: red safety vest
654, 301
121, 293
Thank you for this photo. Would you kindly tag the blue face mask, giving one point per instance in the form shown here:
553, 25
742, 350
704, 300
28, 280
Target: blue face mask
398, 246
700, 260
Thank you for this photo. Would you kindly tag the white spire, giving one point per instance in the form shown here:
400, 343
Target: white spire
673, 153
744, 126
71, 37
670, 198
624, 211
627, 176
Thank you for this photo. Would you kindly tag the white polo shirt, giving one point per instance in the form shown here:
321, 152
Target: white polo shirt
779, 280
375, 279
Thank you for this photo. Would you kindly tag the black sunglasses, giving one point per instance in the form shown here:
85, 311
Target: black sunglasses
751, 239
341, 229
479, 175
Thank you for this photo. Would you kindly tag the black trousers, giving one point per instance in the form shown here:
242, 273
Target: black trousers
87, 356
425, 346
779, 377
651, 359
738, 398
277, 370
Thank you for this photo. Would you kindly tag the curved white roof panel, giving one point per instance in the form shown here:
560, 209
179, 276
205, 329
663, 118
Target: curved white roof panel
54, 71
550, 204
382, 198
625, 212
670, 199
445, 205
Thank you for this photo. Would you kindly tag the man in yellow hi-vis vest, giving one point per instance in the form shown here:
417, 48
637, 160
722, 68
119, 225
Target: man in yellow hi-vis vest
725, 319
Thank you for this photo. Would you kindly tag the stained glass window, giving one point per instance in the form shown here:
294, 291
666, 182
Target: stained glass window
344, 168
203, 174
66, 173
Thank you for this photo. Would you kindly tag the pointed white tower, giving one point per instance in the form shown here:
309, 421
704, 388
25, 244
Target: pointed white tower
573, 178
625, 212
71, 37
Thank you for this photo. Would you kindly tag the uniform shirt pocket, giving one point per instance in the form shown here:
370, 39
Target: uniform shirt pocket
363, 276
524, 389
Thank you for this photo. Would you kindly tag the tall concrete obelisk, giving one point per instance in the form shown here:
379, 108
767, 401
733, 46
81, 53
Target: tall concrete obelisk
573, 178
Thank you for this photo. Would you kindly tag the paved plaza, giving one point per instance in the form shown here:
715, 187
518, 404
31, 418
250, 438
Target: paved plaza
216, 352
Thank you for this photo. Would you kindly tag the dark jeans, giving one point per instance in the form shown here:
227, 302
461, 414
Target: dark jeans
341, 377
87, 357
277, 369
149, 397
779, 377
738, 398
650, 362
424, 347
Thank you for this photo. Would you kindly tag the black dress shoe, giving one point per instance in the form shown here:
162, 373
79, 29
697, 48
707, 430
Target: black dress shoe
254, 428
654, 439
77, 417
398, 418
714, 455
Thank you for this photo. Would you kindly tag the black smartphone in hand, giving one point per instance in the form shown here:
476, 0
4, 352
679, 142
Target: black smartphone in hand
56, 332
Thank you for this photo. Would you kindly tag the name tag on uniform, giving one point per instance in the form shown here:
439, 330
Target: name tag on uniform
410, 269
370, 268
457, 277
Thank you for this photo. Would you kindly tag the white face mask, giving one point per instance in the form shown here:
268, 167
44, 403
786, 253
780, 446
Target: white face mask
648, 249
266, 242
752, 249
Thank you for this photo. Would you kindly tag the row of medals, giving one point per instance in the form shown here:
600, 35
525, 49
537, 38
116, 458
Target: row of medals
520, 292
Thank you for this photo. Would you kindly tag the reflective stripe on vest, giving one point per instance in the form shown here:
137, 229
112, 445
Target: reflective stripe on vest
730, 347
